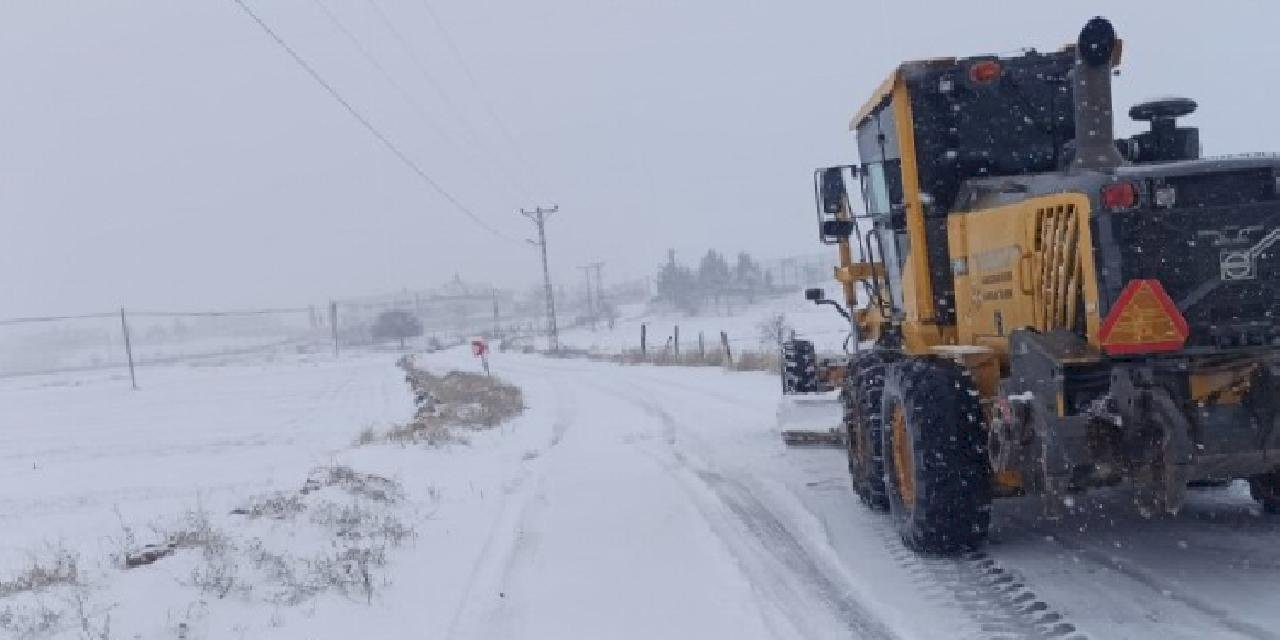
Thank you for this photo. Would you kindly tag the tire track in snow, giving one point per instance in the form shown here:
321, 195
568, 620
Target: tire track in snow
538, 547
1159, 586
506, 542
998, 600
771, 537
566, 414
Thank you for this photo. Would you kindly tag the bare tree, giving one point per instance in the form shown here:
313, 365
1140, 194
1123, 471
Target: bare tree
396, 324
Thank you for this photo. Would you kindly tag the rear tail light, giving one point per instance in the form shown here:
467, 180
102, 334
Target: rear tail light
984, 72
1143, 320
1119, 195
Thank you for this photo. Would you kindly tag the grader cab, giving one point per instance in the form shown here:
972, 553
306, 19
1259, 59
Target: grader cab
1039, 308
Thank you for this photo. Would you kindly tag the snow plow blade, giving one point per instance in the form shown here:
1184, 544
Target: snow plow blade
802, 438
811, 419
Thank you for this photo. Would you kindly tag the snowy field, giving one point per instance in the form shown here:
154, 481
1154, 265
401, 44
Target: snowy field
627, 502
97, 342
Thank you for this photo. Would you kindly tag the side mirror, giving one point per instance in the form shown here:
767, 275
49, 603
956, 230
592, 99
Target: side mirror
837, 228
832, 190
816, 296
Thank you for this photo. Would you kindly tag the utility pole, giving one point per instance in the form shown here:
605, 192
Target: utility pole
539, 217
333, 325
597, 266
591, 309
497, 325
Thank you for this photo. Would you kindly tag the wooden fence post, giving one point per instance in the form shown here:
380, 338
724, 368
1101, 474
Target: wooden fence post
643, 340
702, 347
724, 342
676, 343
128, 349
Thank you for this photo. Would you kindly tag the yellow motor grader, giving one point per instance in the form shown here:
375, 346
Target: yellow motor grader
1039, 308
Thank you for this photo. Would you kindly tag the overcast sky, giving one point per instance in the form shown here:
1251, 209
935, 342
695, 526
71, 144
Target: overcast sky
168, 154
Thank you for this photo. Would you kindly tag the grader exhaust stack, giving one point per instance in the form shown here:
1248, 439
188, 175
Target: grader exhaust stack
1096, 52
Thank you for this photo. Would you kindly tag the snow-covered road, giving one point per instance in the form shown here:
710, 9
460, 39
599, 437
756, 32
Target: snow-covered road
629, 530
630, 502
669, 508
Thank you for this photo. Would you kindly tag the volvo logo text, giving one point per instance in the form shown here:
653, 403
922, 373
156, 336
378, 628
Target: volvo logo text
1241, 263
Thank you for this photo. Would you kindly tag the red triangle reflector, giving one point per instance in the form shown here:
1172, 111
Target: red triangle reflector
1143, 320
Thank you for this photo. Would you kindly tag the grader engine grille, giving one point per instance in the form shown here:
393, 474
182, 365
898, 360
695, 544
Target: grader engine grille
1057, 269
1219, 264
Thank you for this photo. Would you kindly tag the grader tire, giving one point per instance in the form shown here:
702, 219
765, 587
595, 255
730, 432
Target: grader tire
935, 456
861, 398
799, 367
1265, 489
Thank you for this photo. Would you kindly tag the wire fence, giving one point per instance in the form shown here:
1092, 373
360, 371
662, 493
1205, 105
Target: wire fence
127, 339
132, 338
84, 342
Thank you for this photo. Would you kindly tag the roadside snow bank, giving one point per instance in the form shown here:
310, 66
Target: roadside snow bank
344, 550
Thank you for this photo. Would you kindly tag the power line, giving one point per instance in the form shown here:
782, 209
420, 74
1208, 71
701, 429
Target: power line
220, 314
439, 89
456, 52
156, 314
404, 93
386, 142
37, 319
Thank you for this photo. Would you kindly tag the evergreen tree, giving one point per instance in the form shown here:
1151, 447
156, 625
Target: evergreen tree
748, 276
714, 276
677, 285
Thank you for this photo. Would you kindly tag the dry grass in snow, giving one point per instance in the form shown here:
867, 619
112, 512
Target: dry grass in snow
447, 403
354, 523
48, 595
59, 568
333, 535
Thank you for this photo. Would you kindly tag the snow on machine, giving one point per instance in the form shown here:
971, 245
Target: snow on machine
809, 410
1049, 309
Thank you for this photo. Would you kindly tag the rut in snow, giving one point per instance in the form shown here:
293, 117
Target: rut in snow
1003, 607
768, 530
1087, 552
999, 602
